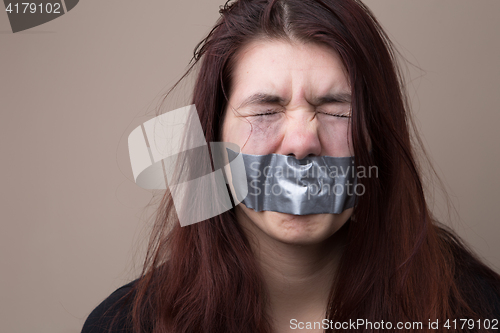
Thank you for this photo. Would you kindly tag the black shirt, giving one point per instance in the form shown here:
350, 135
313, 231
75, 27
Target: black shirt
99, 320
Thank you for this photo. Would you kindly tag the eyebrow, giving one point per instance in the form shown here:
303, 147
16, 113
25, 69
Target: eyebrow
263, 98
332, 98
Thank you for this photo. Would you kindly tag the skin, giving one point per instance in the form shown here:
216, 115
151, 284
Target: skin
298, 254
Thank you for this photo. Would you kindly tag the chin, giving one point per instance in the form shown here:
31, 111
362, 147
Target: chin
295, 229
301, 229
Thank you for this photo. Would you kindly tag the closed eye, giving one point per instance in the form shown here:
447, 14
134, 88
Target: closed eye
337, 115
267, 113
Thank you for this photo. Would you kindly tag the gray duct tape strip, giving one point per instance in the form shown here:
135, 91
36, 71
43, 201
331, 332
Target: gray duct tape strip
279, 183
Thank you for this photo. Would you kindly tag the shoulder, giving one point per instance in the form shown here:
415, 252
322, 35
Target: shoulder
117, 305
481, 287
478, 284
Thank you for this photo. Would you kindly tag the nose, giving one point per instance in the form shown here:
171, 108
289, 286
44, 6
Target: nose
301, 137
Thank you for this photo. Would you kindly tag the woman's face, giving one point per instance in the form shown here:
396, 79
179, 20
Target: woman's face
289, 99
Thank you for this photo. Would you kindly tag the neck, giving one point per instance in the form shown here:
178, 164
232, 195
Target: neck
298, 277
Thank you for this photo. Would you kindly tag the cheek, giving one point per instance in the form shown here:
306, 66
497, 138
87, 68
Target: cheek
265, 136
335, 137
235, 130
254, 136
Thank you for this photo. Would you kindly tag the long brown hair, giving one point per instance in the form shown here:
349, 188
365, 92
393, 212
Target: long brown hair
399, 265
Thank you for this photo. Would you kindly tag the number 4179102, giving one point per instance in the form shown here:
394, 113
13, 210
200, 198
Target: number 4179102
471, 324
33, 8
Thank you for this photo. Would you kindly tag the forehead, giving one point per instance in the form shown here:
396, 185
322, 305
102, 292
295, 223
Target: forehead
287, 69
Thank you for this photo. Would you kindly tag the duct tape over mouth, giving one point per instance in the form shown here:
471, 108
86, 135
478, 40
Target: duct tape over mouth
279, 183
170, 152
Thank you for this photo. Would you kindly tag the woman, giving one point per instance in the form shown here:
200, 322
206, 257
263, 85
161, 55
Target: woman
305, 79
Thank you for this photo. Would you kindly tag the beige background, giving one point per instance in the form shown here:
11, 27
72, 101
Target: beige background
72, 219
